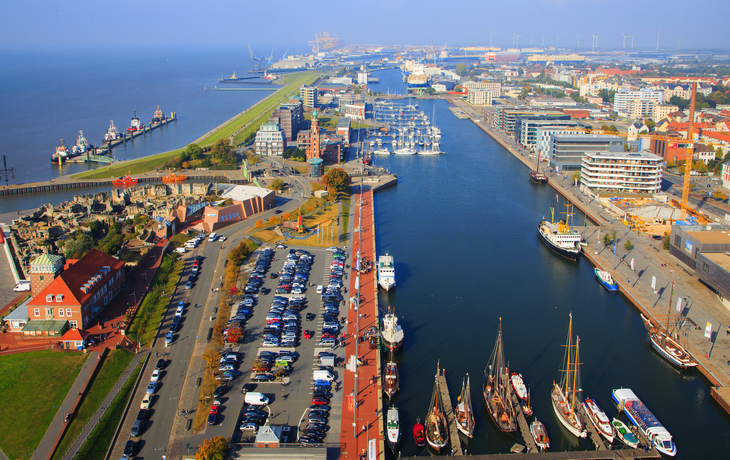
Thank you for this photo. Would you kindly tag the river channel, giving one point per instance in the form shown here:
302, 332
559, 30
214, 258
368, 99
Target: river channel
462, 228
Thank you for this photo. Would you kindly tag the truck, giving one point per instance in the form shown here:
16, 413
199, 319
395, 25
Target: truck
22, 286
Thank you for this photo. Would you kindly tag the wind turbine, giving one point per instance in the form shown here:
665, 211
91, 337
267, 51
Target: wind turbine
632, 40
657, 38
531, 39
595, 41
543, 41
625, 37
678, 42
518, 40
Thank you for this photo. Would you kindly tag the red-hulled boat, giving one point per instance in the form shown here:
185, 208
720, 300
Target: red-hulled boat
124, 181
419, 433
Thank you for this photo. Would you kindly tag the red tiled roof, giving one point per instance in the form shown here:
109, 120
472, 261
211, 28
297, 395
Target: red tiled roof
725, 137
74, 335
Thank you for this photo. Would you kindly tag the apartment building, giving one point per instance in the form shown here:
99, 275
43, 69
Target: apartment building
270, 140
622, 172
479, 97
623, 98
566, 151
308, 94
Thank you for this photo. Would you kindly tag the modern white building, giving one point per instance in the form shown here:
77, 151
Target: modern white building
552, 102
479, 97
622, 172
542, 136
270, 139
494, 87
567, 151
622, 98
308, 94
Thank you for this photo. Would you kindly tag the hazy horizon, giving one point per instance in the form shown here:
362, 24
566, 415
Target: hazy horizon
44, 24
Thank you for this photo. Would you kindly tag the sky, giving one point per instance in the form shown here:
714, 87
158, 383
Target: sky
50, 24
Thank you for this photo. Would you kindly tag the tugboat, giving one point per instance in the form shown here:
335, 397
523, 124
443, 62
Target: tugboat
124, 181
135, 124
393, 428
112, 133
61, 154
82, 145
174, 177
158, 117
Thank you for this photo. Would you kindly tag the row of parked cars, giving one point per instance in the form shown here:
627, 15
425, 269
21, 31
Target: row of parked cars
258, 274
142, 415
294, 275
195, 269
227, 370
283, 322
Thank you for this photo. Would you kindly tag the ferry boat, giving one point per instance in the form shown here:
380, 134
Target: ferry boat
599, 419
497, 397
61, 154
464, 413
393, 428
560, 237
437, 428
645, 421
81, 145
386, 272
135, 124
172, 177
124, 181
606, 279
539, 434
112, 133
419, 433
625, 434
564, 394
158, 116
392, 332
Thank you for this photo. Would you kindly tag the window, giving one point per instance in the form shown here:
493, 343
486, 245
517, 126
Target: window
677, 240
41, 277
68, 312
705, 267
59, 297
73, 324
105, 300
49, 298
37, 312
60, 312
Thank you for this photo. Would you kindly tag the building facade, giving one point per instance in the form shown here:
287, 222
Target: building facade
493, 87
270, 140
343, 129
290, 117
566, 151
308, 94
43, 270
479, 97
622, 98
526, 126
355, 111
622, 172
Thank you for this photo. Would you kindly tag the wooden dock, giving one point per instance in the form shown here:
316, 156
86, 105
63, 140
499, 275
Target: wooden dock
573, 454
450, 416
522, 423
592, 432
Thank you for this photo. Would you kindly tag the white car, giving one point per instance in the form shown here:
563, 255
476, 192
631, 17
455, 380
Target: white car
280, 246
155, 375
227, 367
333, 249
180, 308
221, 238
146, 401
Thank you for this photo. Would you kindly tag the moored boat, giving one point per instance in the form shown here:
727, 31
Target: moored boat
135, 124
124, 181
606, 279
419, 433
393, 428
392, 332
560, 237
539, 434
599, 419
496, 390
536, 175
61, 154
624, 433
437, 428
158, 116
112, 133
564, 394
390, 379
647, 423
518, 385
172, 177
386, 271
464, 412
81, 145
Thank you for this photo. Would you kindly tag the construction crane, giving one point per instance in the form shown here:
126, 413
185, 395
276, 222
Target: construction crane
690, 153
255, 59
324, 42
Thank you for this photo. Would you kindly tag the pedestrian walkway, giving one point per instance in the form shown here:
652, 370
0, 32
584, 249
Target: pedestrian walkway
86, 432
68, 406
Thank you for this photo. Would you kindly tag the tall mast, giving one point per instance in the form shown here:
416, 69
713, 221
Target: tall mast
669, 311
575, 376
570, 341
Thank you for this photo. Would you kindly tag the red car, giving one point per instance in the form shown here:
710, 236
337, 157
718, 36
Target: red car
319, 401
328, 335
307, 334
214, 409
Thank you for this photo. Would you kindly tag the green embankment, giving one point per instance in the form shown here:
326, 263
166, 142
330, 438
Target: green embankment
27, 411
251, 119
114, 364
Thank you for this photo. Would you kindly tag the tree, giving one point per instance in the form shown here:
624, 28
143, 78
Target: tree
430, 90
277, 185
651, 124
609, 238
628, 245
259, 223
523, 94
679, 102
212, 449
222, 152
607, 95
273, 220
336, 179
665, 242
286, 216
461, 69
212, 358
575, 176
235, 334
299, 155
612, 129
194, 151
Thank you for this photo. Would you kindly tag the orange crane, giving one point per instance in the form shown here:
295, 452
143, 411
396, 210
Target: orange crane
689, 154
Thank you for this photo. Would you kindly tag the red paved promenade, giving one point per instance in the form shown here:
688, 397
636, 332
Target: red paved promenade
367, 416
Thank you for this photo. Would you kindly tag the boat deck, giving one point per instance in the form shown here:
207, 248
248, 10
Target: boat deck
450, 416
522, 423
593, 434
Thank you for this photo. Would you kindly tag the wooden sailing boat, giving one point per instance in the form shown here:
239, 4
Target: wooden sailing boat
665, 344
496, 389
437, 429
464, 413
391, 381
536, 175
564, 394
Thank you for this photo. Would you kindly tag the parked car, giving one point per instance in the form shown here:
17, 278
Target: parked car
146, 400
129, 449
155, 375
151, 387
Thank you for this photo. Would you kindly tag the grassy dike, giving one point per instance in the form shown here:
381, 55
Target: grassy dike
251, 119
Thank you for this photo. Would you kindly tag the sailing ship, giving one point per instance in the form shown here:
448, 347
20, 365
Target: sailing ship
625, 434
390, 380
124, 181
665, 344
386, 271
606, 279
560, 237
496, 389
61, 154
539, 434
464, 413
536, 175
392, 428
112, 133
599, 419
392, 331
419, 433
437, 429
172, 177
564, 394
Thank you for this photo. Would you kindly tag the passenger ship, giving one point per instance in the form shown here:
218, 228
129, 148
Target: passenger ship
560, 237
386, 272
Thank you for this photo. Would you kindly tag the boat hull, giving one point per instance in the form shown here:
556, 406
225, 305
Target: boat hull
568, 254
595, 414
538, 178
671, 351
386, 284
576, 430
508, 425
604, 282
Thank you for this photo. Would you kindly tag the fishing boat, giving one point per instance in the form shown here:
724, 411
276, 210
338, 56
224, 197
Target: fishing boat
536, 175
124, 181
386, 271
172, 177
560, 237
393, 428
647, 423
665, 344
464, 413
599, 419
606, 279
419, 433
624, 433
390, 380
437, 429
81, 145
158, 116
496, 390
539, 434
135, 124
61, 154
564, 394
112, 133
392, 332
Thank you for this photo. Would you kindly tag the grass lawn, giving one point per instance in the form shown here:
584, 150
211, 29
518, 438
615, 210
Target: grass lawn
112, 367
100, 438
27, 410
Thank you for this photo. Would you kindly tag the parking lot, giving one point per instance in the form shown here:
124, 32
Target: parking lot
290, 395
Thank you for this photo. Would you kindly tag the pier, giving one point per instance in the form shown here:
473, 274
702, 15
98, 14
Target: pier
593, 435
522, 422
574, 454
450, 416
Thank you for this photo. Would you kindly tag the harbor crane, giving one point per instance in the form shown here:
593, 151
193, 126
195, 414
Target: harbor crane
255, 59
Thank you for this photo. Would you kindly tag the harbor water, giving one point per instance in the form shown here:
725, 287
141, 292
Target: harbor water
463, 230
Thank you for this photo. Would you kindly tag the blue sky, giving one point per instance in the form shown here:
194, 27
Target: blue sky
288, 23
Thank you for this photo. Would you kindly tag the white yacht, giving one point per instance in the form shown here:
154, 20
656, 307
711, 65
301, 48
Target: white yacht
386, 271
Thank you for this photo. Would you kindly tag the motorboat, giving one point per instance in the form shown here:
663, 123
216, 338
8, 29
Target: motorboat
539, 434
599, 419
393, 428
624, 433
386, 271
606, 279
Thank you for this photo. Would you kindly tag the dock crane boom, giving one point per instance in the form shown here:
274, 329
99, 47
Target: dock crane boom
255, 59
689, 154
